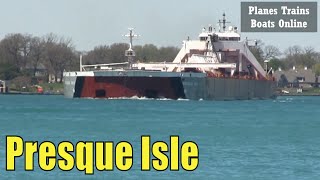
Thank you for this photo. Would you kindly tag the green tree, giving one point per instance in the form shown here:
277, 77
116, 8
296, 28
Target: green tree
276, 64
316, 69
168, 53
283, 81
258, 51
117, 53
150, 53
99, 55
300, 57
8, 71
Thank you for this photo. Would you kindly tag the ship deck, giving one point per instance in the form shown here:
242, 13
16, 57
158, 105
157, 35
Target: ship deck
134, 73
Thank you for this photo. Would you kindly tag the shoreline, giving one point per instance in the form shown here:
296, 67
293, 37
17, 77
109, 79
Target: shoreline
30, 93
61, 94
299, 95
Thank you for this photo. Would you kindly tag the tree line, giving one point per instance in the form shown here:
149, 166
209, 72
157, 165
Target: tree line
295, 55
115, 53
23, 55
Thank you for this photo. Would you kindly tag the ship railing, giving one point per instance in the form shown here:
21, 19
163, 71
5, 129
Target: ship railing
103, 66
222, 76
245, 77
167, 66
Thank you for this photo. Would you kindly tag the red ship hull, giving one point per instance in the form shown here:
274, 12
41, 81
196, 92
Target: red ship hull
113, 87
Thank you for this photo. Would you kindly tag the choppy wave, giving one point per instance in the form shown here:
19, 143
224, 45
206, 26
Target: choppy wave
146, 98
284, 100
140, 98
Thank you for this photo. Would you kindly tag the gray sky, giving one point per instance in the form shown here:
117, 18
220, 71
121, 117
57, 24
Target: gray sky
161, 22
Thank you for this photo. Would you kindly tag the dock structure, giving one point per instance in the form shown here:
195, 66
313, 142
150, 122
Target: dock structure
3, 87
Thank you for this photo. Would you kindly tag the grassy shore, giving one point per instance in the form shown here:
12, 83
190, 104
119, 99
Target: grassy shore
52, 87
48, 88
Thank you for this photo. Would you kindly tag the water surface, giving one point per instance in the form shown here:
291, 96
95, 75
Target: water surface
269, 139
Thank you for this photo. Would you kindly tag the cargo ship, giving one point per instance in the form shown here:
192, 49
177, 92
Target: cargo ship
217, 66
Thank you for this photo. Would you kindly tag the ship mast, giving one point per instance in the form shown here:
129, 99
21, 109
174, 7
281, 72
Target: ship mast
223, 22
130, 52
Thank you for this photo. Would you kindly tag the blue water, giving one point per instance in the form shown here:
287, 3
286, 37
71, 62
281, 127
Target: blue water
269, 139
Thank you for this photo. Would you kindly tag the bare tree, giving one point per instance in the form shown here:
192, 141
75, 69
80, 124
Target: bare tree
36, 53
25, 50
59, 54
271, 52
12, 45
302, 57
309, 50
293, 51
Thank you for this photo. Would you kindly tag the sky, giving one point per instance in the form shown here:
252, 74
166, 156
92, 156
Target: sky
161, 22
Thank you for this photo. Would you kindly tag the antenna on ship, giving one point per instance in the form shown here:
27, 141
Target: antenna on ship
130, 52
223, 22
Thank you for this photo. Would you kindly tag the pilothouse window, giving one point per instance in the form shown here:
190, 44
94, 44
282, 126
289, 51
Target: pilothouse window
223, 38
234, 39
229, 38
203, 38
